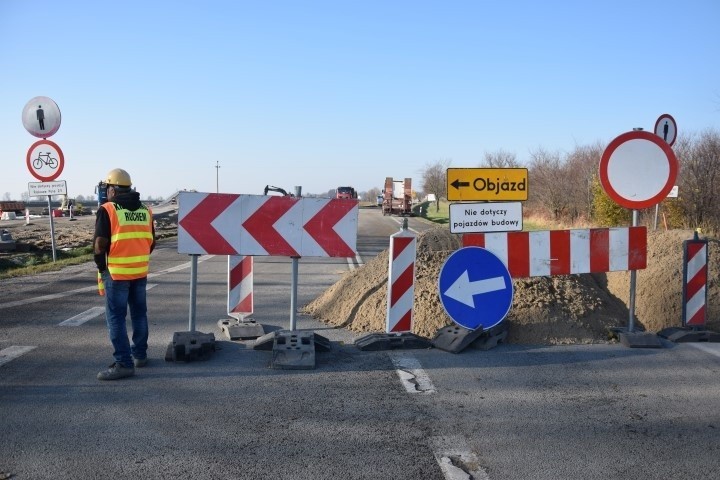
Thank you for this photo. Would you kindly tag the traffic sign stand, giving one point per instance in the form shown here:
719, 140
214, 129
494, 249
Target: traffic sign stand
400, 298
694, 298
234, 224
191, 345
637, 170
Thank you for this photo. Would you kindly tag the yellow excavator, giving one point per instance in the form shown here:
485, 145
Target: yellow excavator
65, 205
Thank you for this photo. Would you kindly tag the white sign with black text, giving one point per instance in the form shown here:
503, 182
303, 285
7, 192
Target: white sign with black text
486, 217
40, 189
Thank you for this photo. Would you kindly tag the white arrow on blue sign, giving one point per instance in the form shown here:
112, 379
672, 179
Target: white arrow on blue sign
475, 288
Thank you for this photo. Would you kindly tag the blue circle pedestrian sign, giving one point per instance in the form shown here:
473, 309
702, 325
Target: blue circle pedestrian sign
475, 287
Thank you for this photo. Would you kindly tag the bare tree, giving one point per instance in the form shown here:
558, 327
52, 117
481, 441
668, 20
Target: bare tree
699, 179
371, 195
500, 159
581, 166
435, 180
547, 183
7, 196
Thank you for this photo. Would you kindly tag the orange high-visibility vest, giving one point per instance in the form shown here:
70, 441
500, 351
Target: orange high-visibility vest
130, 240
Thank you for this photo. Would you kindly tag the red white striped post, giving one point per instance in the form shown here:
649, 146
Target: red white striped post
240, 286
695, 275
401, 282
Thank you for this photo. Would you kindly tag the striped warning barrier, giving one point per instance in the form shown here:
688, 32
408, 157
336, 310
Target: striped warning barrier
695, 276
401, 284
563, 252
240, 285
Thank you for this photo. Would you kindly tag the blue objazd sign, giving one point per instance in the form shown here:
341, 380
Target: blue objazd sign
475, 288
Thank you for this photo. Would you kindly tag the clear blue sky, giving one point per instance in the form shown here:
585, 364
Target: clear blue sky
327, 93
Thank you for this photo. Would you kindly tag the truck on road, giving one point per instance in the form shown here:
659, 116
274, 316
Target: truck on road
397, 197
12, 208
346, 192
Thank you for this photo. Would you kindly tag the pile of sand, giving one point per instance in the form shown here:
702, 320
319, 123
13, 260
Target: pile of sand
546, 310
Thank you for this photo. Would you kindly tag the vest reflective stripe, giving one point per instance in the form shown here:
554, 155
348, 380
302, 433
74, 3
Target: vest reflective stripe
125, 236
137, 272
130, 241
137, 259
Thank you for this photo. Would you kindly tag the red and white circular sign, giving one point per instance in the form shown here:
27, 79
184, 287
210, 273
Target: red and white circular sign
45, 160
638, 169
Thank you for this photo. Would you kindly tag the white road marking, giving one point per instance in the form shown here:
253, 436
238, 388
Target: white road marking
93, 288
10, 353
711, 348
456, 461
411, 374
83, 317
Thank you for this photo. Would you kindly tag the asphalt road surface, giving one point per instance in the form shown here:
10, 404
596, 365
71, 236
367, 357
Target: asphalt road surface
513, 412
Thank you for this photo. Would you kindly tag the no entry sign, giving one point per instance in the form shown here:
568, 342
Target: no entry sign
638, 169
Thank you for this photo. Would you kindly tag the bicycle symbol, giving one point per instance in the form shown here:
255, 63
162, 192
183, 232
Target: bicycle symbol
47, 160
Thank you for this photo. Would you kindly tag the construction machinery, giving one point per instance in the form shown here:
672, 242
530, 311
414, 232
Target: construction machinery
66, 203
397, 197
282, 191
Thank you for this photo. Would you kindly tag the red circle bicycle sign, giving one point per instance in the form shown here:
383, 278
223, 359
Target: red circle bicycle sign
45, 160
638, 169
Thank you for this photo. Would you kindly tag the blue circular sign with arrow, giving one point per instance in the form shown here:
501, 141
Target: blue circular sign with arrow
475, 287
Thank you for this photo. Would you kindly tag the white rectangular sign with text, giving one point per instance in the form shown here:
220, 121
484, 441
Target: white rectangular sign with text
39, 189
485, 217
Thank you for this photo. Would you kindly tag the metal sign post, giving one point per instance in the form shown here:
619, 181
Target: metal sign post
193, 292
52, 228
294, 284
633, 277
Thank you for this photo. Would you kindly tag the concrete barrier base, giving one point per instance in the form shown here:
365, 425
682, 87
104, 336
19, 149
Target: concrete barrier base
689, 334
190, 346
391, 341
454, 338
245, 329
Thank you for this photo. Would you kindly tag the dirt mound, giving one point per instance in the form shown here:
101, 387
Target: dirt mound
546, 310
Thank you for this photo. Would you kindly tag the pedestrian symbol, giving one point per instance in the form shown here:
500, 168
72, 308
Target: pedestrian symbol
41, 117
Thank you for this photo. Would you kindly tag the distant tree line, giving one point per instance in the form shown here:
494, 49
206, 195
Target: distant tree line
565, 188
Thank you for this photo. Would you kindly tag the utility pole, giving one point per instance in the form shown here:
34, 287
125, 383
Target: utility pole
217, 176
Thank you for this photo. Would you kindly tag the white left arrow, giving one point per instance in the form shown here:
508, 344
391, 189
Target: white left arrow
463, 289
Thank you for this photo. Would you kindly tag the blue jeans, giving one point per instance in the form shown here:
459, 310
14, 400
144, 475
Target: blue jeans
119, 295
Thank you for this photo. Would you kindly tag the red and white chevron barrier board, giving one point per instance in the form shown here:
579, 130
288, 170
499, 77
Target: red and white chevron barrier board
232, 224
401, 284
563, 252
240, 286
695, 275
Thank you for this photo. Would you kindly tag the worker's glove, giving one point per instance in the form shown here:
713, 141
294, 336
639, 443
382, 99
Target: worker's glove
101, 285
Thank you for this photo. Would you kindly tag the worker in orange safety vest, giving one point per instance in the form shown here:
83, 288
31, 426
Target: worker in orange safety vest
124, 239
